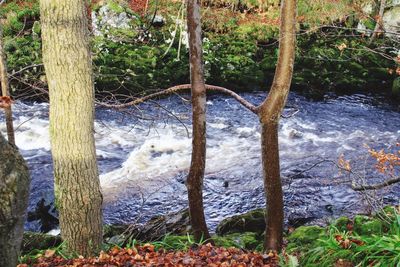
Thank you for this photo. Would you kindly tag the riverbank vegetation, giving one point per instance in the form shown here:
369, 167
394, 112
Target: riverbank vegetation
359, 241
145, 48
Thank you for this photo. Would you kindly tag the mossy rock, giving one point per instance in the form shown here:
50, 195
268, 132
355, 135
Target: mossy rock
396, 86
364, 225
342, 223
252, 221
248, 240
38, 241
305, 236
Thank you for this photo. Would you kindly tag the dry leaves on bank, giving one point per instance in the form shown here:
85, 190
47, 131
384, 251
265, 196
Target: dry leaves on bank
206, 255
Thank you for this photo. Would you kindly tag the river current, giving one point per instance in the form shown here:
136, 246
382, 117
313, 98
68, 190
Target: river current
144, 155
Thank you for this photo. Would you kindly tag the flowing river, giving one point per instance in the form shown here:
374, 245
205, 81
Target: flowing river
144, 154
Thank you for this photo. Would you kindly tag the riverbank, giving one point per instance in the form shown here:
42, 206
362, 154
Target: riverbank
137, 50
345, 241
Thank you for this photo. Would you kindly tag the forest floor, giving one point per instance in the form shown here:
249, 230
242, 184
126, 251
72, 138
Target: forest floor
146, 255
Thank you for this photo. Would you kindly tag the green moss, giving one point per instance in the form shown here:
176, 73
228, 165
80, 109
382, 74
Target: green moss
341, 223
252, 221
396, 86
364, 225
36, 28
305, 236
247, 240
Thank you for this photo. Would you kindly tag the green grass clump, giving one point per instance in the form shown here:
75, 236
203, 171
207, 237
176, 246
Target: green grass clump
375, 249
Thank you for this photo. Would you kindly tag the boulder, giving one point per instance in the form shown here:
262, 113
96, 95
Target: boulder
39, 241
252, 221
177, 223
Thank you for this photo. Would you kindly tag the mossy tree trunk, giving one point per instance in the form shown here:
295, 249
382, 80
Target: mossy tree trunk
197, 167
14, 194
5, 90
269, 113
68, 66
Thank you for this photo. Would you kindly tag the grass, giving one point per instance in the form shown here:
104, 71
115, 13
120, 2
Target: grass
360, 250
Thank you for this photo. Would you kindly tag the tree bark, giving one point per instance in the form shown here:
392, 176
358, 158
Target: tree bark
67, 61
5, 90
14, 194
379, 20
196, 173
269, 114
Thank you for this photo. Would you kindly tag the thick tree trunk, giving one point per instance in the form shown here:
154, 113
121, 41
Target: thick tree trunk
67, 61
14, 194
197, 166
5, 90
269, 114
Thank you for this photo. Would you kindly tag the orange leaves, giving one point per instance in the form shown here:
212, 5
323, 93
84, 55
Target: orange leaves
386, 162
347, 242
5, 101
344, 164
206, 255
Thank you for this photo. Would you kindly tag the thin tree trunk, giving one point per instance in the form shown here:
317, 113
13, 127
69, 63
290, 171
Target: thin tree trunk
197, 166
5, 90
14, 194
378, 25
67, 61
269, 114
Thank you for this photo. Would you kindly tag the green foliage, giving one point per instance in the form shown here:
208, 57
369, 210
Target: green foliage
365, 248
247, 240
173, 242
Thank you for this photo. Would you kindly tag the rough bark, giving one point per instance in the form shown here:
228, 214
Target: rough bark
379, 20
67, 61
269, 114
14, 193
5, 90
196, 173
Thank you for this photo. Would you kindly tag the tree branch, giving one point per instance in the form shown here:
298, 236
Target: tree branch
376, 186
182, 87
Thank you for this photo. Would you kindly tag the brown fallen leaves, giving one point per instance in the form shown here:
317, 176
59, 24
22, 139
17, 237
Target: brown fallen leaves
206, 255
5, 101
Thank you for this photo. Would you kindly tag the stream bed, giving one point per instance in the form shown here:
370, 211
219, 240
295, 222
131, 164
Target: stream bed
144, 155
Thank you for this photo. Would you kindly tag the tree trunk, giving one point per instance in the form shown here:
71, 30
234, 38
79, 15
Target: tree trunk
196, 173
379, 20
269, 114
5, 90
14, 194
67, 61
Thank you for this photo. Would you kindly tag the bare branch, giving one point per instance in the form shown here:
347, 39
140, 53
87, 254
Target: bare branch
25, 68
182, 87
376, 186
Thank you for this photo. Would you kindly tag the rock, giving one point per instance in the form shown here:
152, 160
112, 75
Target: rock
247, 240
364, 225
252, 221
158, 21
305, 236
46, 214
110, 16
391, 22
177, 223
39, 241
